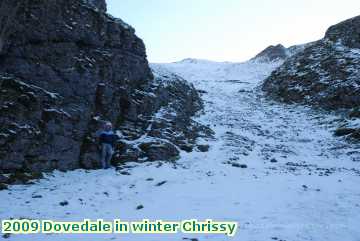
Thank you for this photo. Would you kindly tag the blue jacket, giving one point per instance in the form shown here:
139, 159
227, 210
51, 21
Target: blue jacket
108, 137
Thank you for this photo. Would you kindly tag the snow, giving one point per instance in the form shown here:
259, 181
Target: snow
295, 49
197, 69
59, 112
163, 76
311, 192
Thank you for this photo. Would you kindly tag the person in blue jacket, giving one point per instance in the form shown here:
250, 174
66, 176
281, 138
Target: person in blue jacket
107, 141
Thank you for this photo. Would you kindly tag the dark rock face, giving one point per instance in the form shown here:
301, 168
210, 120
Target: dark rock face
66, 68
325, 74
272, 53
100, 4
346, 32
169, 129
352, 134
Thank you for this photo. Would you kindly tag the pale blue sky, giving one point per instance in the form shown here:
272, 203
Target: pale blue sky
227, 30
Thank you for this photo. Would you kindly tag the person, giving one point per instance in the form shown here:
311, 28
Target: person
107, 140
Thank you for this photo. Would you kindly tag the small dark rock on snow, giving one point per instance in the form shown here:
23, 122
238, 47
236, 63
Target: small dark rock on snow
239, 165
64, 203
139, 207
125, 173
203, 148
191, 239
7, 235
161, 183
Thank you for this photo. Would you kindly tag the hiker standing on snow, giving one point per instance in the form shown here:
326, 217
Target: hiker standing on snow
107, 141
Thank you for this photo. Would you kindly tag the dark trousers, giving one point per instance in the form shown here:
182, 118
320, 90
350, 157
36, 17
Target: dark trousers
107, 152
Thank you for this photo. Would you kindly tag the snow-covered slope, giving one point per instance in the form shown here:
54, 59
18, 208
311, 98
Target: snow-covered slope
275, 169
254, 70
198, 69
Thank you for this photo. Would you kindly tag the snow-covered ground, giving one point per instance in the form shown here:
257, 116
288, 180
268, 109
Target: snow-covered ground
199, 69
301, 183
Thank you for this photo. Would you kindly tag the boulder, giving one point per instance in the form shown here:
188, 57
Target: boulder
159, 151
344, 131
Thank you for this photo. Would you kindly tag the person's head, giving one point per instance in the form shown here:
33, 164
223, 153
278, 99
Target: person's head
108, 126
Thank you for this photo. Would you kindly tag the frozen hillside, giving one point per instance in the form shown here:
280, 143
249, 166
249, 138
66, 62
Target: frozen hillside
276, 169
251, 71
197, 69
198, 139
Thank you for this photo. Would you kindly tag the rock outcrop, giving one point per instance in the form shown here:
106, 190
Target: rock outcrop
346, 32
325, 74
164, 134
278, 53
99, 4
66, 67
273, 53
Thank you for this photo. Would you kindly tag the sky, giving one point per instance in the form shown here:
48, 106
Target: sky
227, 30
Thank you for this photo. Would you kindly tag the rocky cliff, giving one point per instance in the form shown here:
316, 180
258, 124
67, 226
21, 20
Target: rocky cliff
65, 68
325, 73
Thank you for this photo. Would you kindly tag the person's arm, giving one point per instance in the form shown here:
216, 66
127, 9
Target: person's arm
114, 138
98, 133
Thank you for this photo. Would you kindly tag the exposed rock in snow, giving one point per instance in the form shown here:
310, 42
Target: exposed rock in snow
346, 32
170, 128
278, 53
325, 73
272, 53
